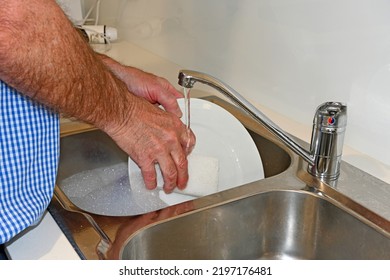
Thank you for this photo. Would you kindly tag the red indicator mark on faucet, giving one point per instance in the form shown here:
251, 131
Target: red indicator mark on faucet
331, 120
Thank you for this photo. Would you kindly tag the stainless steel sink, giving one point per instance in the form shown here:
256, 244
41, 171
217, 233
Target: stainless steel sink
271, 225
289, 214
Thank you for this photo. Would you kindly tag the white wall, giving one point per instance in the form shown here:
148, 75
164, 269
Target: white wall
289, 55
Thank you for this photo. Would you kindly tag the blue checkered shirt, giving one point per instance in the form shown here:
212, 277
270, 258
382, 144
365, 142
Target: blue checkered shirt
29, 150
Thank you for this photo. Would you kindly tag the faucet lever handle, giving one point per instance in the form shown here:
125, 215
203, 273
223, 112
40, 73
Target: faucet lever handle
331, 115
327, 140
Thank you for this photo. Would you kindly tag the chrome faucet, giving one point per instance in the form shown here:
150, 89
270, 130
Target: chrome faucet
327, 139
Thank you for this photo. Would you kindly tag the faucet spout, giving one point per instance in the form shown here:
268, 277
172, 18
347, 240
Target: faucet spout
325, 151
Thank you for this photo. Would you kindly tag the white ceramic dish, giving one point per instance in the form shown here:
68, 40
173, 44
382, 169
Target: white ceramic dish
219, 134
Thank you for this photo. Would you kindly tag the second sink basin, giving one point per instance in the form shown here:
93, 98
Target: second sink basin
270, 225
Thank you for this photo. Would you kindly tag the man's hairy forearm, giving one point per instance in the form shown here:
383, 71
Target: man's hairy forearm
42, 56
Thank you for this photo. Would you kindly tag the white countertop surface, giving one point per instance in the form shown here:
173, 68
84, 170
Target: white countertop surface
46, 240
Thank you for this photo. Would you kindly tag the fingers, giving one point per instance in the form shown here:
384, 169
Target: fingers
169, 102
189, 140
149, 176
155, 89
174, 170
173, 165
166, 95
169, 88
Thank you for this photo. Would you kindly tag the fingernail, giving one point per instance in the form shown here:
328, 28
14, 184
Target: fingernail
167, 191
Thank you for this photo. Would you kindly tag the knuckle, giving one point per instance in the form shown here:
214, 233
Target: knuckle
182, 163
150, 178
170, 175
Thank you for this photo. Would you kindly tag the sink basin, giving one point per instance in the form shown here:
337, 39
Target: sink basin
270, 225
94, 150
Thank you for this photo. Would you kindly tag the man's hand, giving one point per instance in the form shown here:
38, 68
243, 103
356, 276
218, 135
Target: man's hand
156, 142
156, 90
151, 135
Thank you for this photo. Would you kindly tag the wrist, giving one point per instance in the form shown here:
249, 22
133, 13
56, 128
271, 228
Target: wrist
114, 109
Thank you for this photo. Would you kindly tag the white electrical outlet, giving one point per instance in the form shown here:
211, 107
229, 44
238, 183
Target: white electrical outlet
73, 9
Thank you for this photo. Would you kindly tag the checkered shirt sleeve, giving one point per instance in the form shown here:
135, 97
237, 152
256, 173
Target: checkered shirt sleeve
29, 151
